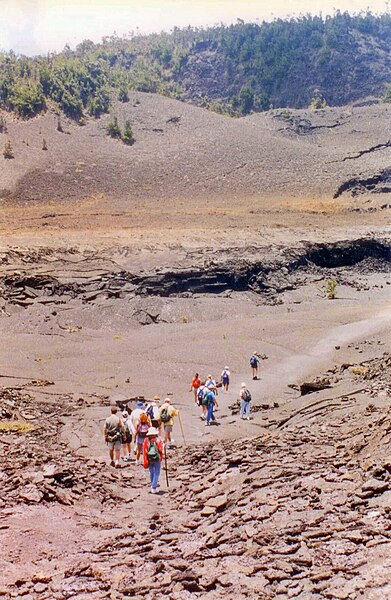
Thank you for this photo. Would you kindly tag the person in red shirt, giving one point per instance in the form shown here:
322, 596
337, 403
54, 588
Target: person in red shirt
153, 456
195, 384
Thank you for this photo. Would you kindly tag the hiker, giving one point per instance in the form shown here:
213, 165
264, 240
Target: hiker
114, 432
210, 402
202, 391
153, 456
141, 431
195, 384
225, 376
245, 399
254, 363
166, 416
153, 411
126, 450
134, 419
211, 385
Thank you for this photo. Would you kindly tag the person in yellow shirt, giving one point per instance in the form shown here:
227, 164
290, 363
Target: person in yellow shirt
167, 412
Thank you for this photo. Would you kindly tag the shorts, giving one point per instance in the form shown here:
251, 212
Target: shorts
168, 428
128, 440
140, 439
225, 381
115, 445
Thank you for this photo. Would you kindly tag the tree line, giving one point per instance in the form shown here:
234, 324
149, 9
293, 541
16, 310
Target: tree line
254, 65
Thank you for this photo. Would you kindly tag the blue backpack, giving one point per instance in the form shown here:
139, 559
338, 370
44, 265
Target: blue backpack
254, 361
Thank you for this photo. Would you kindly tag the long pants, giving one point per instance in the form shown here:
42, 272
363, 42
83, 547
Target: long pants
244, 408
209, 415
154, 472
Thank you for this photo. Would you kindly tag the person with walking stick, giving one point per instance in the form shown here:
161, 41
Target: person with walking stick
153, 456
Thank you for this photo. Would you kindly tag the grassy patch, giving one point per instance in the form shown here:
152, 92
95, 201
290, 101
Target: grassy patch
15, 427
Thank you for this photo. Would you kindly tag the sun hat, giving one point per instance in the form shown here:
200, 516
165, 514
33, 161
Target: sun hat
152, 431
226, 368
244, 385
167, 400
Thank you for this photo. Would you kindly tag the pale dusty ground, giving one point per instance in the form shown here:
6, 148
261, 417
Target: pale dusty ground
113, 357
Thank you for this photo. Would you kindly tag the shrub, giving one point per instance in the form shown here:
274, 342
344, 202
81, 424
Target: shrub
331, 289
112, 128
8, 151
387, 95
318, 101
27, 100
123, 95
127, 136
3, 125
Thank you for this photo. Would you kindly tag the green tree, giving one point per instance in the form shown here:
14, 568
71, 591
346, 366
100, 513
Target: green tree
127, 136
27, 99
112, 128
246, 98
123, 95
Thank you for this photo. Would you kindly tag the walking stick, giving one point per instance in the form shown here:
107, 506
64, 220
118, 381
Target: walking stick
180, 423
165, 465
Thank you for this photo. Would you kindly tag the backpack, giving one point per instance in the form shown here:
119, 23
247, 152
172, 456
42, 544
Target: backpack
153, 453
127, 430
246, 395
142, 429
150, 411
116, 435
208, 399
164, 415
254, 361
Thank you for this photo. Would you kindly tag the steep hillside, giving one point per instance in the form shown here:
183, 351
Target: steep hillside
235, 70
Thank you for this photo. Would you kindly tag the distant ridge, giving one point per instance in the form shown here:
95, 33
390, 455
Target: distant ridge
232, 70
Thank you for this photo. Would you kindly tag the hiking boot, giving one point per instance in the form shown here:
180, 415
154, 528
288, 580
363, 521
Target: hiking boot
112, 464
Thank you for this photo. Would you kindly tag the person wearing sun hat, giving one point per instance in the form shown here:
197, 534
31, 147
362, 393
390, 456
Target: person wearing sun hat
153, 456
245, 399
225, 375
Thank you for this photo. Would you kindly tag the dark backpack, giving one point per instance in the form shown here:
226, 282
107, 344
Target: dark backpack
164, 416
246, 395
153, 453
127, 430
150, 412
254, 361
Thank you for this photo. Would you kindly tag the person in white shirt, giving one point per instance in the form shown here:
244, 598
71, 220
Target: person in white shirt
225, 377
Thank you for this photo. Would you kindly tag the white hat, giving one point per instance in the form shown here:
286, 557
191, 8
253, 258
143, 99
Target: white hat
152, 431
167, 400
226, 368
244, 385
